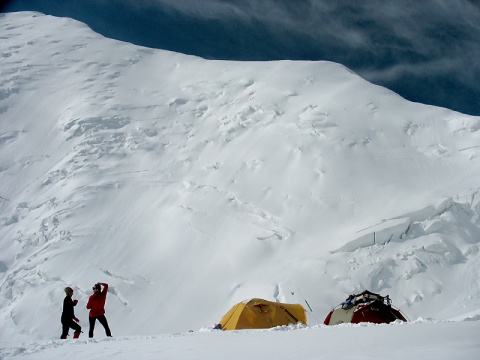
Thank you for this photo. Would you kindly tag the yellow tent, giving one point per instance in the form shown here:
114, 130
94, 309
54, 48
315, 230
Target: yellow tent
260, 314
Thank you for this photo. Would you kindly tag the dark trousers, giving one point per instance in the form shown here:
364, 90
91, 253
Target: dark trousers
66, 325
103, 320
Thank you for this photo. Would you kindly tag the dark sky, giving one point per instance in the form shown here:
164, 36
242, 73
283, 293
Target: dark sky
425, 50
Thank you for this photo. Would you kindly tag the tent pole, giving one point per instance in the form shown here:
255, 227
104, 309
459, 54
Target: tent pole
306, 302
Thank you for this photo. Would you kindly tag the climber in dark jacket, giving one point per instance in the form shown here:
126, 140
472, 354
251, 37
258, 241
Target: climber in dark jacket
68, 315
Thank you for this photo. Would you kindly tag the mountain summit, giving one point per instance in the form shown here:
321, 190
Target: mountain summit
189, 185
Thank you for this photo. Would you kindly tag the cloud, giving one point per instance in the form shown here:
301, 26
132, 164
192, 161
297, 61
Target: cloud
436, 67
205, 10
422, 27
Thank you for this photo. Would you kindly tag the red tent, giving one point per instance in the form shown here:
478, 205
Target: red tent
364, 307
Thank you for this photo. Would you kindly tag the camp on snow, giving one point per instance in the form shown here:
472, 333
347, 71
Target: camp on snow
364, 307
260, 314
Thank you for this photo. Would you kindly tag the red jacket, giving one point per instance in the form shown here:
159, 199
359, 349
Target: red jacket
96, 302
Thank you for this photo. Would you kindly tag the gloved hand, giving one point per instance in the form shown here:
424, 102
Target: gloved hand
75, 302
76, 319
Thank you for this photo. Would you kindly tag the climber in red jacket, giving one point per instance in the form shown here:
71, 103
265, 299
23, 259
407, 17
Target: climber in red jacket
96, 304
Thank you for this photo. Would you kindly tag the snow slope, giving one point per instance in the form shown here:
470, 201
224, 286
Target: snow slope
420, 340
189, 185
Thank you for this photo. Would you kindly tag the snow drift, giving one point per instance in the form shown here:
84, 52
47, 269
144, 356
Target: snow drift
189, 185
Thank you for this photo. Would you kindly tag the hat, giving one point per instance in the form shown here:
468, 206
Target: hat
68, 290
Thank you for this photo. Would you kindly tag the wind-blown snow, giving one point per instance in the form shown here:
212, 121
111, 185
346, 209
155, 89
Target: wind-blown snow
189, 185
